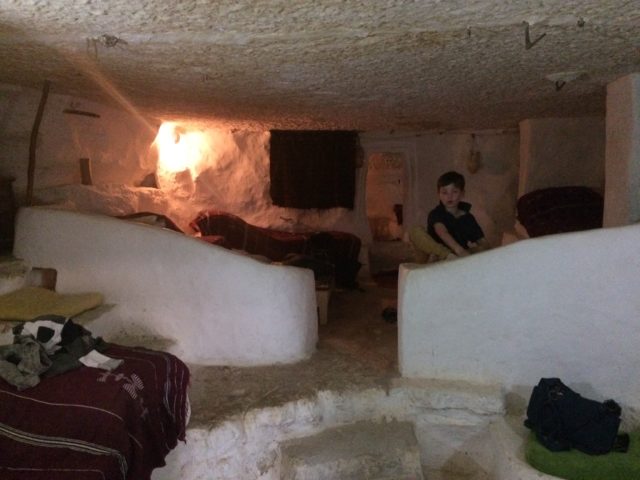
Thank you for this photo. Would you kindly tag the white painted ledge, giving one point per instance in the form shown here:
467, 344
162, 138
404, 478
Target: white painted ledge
216, 306
451, 421
557, 306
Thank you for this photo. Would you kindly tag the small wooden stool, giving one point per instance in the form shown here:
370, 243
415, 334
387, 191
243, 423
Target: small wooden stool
323, 292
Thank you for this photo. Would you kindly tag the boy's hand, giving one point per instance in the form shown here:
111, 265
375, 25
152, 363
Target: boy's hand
479, 246
449, 241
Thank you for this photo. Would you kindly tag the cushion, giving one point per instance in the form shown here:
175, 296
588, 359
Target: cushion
560, 209
30, 302
575, 465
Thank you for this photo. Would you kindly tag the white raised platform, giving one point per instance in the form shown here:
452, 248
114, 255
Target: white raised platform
553, 306
217, 307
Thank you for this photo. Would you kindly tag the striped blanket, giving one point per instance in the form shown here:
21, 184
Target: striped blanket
90, 424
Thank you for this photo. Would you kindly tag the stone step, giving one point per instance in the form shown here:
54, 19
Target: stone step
362, 450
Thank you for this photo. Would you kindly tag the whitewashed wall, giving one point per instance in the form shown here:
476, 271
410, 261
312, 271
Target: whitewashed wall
219, 307
562, 305
234, 173
117, 143
557, 152
233, 177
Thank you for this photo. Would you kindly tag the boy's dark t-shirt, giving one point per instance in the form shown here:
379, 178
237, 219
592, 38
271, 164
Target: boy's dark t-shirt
463, 229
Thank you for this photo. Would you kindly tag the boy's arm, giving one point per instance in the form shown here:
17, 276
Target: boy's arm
449, 241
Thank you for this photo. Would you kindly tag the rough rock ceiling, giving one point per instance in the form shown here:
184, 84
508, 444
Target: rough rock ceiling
325, 64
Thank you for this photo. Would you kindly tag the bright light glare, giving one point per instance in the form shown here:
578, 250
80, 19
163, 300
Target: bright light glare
179, 150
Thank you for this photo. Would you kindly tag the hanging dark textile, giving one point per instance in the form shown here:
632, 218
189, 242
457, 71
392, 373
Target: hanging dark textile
313, 169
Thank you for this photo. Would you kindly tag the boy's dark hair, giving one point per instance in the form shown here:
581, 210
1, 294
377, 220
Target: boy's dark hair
455, 178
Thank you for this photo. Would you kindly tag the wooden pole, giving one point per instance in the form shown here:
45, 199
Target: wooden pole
34, 141
85, 171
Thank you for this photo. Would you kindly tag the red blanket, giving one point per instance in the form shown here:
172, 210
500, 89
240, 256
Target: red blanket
342, 249
89, 424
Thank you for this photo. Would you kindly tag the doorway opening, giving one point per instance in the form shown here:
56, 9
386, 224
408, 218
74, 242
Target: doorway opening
385, 205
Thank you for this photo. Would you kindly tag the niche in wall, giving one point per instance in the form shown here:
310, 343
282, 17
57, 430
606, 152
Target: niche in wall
385, 195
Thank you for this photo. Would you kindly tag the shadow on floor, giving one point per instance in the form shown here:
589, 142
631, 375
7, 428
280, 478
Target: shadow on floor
356, 326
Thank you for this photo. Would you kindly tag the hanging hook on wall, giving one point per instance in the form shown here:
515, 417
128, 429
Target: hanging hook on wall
560, 79
106, 40
527, 38
474, 160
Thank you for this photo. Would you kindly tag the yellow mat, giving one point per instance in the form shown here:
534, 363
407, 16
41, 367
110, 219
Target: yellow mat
30, 302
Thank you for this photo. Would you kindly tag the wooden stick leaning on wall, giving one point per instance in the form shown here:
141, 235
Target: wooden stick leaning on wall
34, 141
85, 171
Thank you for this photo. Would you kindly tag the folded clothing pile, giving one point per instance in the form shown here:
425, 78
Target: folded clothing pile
48, 346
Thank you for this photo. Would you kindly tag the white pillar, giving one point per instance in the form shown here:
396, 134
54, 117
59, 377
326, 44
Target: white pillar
622, 164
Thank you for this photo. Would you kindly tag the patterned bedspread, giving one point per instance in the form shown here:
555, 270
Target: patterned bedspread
90, 424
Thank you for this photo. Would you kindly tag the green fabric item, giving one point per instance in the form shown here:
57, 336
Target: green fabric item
30, 302
575, 465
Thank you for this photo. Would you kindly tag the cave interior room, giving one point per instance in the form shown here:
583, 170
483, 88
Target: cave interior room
226, 252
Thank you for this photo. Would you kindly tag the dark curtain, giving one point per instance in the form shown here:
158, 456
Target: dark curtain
313, 169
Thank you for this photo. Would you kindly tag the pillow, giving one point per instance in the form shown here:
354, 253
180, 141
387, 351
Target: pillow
560, 209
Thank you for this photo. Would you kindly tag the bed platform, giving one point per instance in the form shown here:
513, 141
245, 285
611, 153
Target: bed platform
93, 424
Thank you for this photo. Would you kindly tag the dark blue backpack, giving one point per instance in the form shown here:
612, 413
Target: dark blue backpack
562, 419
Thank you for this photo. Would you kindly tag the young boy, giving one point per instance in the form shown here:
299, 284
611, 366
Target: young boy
450, 224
